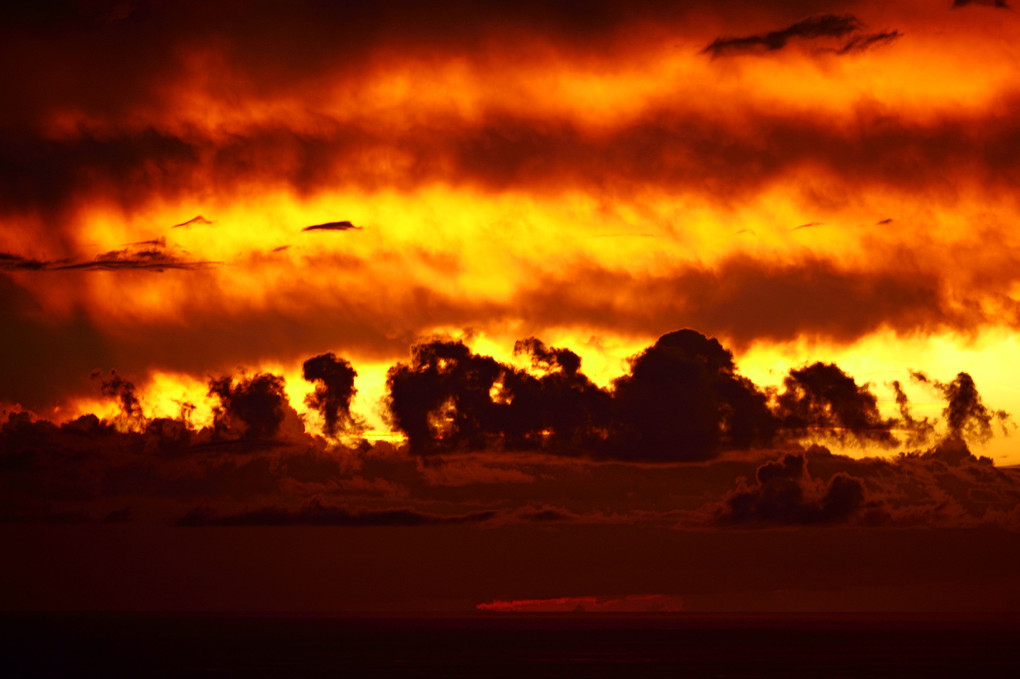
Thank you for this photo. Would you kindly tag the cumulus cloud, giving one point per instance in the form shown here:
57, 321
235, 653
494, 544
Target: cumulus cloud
334, 388
684, 401
823, 398
779, 497
945, 485
253, 407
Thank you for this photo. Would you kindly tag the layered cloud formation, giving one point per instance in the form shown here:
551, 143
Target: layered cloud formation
488, 442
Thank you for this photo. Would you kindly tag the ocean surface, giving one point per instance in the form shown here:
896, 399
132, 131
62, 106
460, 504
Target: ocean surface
530, 646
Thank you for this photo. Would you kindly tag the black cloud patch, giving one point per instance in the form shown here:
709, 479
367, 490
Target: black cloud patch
253, 407
965, 413
684, 401
779, 497
821, 26
334, 388
149, 255
823, 398
332, 226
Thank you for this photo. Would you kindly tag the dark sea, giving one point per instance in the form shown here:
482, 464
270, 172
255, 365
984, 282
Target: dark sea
529, 646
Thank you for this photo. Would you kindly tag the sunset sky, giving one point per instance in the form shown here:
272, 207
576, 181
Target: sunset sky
374, 306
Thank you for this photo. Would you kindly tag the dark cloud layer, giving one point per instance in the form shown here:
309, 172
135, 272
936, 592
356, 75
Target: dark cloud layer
746, 300
821, 26
671, 149
778, 497
821, 396
681, 401
739, 298
945, 485
151, 255
490, 442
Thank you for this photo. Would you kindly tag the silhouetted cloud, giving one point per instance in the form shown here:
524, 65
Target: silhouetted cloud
779, 498
546, 448
548, 358
150, 255
821, 26
822, 399
124, 391
198, 219
332, 226
684, 401
316, 514
443, 398
334, 387
251, 406
155, 258
965, 414
1001, 4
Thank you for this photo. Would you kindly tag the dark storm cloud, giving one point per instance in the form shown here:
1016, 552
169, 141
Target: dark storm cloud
778, 497
316, 514
334, 388
548, 358
651, 450
671, 149
39, 173
156, 260
823, 397
443, 398
198, 219
683, 400
745, 300
150, 255
965, 414
945, 485
739, 299
62, 57
332, 226
821, 26
252, 406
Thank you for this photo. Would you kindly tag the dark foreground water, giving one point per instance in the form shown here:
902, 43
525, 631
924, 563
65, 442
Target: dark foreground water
534, 647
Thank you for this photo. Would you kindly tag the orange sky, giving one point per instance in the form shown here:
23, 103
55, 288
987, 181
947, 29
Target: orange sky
804, 181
